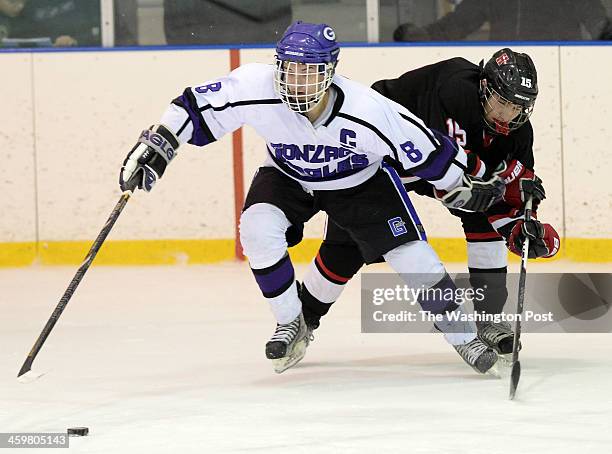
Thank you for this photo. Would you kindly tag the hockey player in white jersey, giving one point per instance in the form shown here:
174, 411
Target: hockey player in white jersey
326, 138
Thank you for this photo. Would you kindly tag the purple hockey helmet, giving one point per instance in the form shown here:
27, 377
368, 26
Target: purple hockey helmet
306, 58
308, 43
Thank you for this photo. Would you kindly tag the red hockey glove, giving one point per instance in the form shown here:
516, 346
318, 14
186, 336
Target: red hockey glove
543, 239
520, 183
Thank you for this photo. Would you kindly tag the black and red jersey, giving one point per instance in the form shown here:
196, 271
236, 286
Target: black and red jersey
445, 95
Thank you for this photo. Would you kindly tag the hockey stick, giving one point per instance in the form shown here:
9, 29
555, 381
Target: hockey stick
26, 374
515, 375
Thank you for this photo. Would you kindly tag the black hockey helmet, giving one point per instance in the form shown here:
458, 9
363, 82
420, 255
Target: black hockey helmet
512, 76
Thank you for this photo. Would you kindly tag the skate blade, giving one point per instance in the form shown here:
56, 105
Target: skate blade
496, 370
286, 362
505, 359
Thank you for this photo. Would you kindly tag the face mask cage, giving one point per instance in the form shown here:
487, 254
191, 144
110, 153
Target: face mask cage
498, 127
301, 86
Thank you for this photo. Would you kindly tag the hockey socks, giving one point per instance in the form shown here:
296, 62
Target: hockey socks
457, 330
334, 265
277, 284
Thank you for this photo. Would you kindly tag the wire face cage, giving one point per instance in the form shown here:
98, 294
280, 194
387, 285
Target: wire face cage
492, 101
302, 85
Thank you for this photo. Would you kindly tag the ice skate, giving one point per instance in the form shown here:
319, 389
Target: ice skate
479, 356
498, 336
312, 320
288, 344
312, 323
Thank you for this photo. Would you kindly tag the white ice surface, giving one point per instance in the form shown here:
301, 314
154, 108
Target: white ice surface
171, 359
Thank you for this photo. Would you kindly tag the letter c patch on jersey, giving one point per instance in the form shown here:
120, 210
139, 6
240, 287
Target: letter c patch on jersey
345, 135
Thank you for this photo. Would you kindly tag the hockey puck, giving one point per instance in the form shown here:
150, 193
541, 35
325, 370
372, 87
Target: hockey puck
78, 431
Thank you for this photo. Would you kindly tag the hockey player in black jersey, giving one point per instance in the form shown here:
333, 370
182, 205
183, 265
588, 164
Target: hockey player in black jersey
486, 110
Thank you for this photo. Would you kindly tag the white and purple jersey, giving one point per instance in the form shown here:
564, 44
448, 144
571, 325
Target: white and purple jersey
342, 149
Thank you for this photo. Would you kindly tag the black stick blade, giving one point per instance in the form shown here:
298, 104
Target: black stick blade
515, 376
27, 366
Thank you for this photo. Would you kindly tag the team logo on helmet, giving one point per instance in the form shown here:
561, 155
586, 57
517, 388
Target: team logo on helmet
502, 59
329, 33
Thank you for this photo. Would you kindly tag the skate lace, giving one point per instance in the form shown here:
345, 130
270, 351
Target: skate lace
286, 333
472, 350
494, 332
310, 336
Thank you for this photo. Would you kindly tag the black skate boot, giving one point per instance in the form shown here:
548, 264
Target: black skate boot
498, 336
478, 355
312, 321
312, 308
288, 344
311, 318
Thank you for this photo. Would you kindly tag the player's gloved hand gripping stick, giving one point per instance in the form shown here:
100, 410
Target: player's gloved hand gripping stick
141, 169
147, 161
521, 183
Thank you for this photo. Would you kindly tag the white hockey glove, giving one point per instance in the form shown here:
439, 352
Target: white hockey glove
147, 161
474, 195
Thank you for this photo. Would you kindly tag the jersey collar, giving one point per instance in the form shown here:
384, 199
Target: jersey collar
337, 104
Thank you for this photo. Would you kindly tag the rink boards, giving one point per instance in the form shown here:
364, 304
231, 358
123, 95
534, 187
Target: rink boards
69, 118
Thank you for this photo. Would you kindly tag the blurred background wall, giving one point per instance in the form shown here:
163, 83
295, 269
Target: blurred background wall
70, 116
69, 119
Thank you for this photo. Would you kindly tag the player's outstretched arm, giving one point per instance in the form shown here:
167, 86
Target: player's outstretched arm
200, 115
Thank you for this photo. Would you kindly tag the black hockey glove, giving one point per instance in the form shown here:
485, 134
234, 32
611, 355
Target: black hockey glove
474, 195
294, 234
147, 161
534, 189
